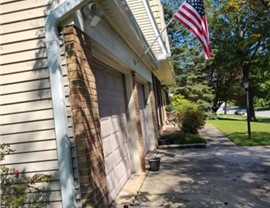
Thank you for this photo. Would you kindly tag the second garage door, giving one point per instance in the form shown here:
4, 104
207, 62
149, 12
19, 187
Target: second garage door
142, 103
114, 133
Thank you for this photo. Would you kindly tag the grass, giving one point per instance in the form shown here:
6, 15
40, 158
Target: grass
182, 138
235, 128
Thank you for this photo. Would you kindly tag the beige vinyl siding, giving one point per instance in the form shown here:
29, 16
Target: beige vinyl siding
155, 8
26, 121
158, 13
141, 16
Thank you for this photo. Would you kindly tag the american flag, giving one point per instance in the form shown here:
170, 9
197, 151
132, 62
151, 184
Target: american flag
191, 14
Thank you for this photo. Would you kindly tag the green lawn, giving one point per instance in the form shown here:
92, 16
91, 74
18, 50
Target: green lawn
235, 128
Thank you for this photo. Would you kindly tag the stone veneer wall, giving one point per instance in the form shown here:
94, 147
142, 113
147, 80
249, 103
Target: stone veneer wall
85, 115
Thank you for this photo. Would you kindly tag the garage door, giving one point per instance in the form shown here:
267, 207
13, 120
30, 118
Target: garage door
112, 109
142, 103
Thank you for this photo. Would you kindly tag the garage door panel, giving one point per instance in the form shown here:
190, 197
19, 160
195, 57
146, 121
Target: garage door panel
107, 146
104, 110
121, 160
115, 121
118, 84
118, 140
127, 162
118, 156
142, 115
111, 81
120, 170
106, 126
109, 164
122, 110
125, 134
111, 184
114, 144
112, 107
122, 122
101, 81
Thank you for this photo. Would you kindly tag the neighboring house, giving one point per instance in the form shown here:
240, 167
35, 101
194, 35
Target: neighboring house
79, 100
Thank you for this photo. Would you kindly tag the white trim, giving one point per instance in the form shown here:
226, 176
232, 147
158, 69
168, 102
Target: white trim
61, 12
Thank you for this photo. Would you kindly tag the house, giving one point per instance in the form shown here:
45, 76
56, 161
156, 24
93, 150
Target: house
80, 99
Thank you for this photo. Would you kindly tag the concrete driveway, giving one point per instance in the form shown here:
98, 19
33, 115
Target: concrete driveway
221, 175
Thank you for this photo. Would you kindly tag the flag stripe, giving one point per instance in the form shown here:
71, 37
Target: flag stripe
190, 18
191, 15
196, 29
191, 12
198, 35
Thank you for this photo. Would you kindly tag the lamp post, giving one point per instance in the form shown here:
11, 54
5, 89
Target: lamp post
246, 86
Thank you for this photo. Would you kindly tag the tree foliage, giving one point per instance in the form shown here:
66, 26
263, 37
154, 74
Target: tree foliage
188, 61
240, 41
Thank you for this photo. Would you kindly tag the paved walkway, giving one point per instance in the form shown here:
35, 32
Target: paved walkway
221, 175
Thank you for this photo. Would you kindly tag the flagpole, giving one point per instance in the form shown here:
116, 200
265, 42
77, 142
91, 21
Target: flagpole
139, 60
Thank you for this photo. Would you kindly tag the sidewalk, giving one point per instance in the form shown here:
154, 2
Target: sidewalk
221, 175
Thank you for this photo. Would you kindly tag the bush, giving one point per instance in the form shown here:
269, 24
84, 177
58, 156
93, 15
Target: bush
193, 119
211, 116
184, 138
189, 116
169, 107
179, 100
16, 188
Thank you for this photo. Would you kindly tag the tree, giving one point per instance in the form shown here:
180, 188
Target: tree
240, 38
240, 41
188, 62
224, 74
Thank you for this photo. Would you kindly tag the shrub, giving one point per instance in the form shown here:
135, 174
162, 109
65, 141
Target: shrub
17, 189
184, 138
189, 116
180, 110
179, 100
211, 116
192, 120
169, 107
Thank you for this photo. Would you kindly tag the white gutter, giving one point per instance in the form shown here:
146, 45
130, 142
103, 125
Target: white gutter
61, 12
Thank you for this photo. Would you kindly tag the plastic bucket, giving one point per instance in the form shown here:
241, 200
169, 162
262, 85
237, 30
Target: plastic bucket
154, 164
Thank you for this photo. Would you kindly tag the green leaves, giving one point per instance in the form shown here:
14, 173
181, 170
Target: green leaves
252, 39
18, 189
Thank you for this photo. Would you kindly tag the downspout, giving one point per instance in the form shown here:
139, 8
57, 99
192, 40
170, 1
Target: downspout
61, 12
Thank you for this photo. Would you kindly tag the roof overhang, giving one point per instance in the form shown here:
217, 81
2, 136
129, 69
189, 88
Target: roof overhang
166, 73
129, 30
156, 37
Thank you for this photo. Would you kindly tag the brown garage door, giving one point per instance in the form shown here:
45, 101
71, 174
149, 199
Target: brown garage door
142, 102
112, 108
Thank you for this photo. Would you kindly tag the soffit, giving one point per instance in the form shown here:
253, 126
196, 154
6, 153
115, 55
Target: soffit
166, 73
126, 26
149, 15
147, 24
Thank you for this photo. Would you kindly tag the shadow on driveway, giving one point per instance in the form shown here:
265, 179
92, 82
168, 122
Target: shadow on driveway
221, 175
